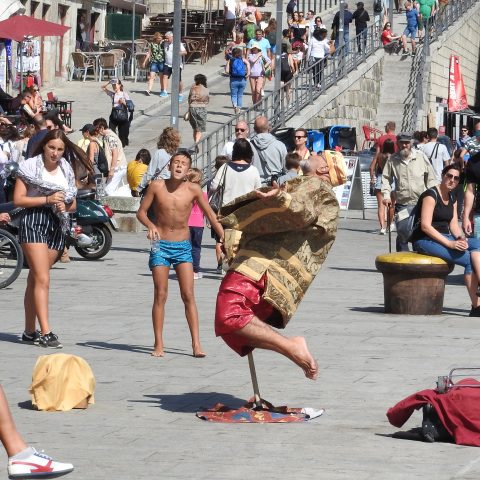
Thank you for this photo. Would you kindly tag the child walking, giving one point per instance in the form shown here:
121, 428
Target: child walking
195, 224
173, 200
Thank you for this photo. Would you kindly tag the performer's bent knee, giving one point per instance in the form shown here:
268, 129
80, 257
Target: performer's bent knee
239, 300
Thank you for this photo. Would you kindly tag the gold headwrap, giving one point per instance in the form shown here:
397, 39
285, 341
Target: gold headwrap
336, 167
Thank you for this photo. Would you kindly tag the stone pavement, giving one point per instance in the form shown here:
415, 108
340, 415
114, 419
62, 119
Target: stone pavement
143, 423
153, 113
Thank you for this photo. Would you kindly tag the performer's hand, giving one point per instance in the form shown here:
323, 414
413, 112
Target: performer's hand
4, 218
60, 207
273, 192
387, 202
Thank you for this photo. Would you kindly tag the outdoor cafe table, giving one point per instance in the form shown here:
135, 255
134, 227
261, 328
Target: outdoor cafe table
96, 56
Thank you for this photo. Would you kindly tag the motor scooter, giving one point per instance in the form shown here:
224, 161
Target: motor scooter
93, 220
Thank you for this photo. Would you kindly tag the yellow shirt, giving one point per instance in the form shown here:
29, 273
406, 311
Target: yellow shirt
83, 143
135, 172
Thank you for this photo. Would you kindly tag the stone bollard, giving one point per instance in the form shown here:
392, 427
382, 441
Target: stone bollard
413, 284
125, 210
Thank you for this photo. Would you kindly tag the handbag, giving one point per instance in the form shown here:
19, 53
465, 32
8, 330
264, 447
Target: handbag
267, 68
120, 114
216, 198
186, 116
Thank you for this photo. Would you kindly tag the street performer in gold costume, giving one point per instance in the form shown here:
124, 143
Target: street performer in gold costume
276, 241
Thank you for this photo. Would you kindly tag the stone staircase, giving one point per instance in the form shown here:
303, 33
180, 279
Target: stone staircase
394, 89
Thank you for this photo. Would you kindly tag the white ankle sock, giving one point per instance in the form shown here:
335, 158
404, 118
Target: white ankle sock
23, 454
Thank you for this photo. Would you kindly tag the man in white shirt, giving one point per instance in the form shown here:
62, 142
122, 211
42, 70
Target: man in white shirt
241, 131
436, 153
230, 18
168, 64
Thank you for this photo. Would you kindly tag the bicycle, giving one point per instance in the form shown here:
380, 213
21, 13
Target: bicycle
11, 258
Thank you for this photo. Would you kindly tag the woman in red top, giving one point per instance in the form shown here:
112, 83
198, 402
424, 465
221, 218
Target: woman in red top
390, 41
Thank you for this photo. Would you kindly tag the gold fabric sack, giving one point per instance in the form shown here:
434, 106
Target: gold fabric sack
61, 382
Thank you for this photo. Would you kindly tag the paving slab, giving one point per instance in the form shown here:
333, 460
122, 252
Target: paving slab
143, 423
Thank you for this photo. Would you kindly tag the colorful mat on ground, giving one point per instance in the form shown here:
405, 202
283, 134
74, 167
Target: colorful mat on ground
250, 414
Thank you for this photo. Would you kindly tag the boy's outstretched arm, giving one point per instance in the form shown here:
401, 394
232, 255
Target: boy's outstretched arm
209, 213
145, 204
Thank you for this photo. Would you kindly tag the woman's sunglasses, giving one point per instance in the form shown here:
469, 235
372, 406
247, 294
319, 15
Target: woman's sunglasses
453, 177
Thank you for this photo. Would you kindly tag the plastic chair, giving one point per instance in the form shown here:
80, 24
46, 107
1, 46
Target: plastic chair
315, 141
120, 60
82, 62
107, 62
371, 134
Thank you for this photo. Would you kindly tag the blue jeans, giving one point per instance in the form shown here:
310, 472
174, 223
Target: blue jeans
346, 39
361, 38
196, 234
237, 87
431, 247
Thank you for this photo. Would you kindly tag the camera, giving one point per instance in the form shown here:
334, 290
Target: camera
273, 178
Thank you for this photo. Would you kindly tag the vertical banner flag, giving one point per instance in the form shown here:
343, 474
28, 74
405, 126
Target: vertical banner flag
457, 98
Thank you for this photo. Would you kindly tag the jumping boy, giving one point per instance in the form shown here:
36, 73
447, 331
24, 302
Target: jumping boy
172, 201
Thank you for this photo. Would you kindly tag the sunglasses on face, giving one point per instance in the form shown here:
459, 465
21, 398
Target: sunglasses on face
464, 130
239, 130
300, 136
453, 177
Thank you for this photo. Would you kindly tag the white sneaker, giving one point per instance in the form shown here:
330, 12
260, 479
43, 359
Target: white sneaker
36, 465
197, 275
383, 231
393, 228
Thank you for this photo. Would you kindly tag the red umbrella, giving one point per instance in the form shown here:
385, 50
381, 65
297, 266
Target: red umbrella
20, 26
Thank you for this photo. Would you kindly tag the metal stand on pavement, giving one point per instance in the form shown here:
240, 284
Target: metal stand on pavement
445, 382
253, 374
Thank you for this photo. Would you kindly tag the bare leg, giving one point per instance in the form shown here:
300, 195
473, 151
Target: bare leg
160, 283
197, 136
40, 259
9, 436
261, 335
471, 282
151, 79
381, 209
185, 280
218, 253
252, 88
404, 42
414, 47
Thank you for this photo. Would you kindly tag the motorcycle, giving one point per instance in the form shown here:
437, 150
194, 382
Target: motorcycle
90, 234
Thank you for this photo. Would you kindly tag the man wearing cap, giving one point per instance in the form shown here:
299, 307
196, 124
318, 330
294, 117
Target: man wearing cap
361, 17
413, 174
276, 241
84, 142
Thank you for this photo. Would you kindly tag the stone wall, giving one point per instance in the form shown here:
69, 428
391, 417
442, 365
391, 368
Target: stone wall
462, 39
352, 102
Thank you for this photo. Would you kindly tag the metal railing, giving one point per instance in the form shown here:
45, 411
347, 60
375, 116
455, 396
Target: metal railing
316, 5
420, 72
278, 106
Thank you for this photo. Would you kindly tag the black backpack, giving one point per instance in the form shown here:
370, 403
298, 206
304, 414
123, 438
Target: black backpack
102, 162
291, 7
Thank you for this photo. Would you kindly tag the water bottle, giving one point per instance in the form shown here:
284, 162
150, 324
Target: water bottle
154, 246
476, 226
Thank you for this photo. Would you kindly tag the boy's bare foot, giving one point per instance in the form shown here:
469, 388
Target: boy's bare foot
303, 358
158, 352
199, 354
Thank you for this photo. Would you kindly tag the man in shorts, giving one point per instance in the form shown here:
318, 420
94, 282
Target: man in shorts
276, 241
172, 200
168, 65
411, 28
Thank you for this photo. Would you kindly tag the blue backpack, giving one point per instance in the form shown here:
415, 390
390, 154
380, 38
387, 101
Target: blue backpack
238, 68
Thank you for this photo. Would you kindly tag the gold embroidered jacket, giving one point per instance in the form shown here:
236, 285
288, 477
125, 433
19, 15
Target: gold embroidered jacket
286, 237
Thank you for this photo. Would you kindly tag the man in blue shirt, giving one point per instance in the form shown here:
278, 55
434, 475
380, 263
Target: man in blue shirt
347, 20
262, 42
411, 28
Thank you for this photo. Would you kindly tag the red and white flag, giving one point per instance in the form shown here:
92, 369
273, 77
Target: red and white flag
457, 98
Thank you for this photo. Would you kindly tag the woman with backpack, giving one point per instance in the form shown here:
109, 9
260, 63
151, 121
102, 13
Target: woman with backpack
318, 51
239, 70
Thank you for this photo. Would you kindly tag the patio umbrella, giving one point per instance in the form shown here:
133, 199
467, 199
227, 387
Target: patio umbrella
19, 27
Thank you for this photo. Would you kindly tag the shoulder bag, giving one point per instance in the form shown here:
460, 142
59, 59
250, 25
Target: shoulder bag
216, 198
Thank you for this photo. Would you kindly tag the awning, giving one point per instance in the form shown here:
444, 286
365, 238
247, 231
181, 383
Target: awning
140, 8
9, 8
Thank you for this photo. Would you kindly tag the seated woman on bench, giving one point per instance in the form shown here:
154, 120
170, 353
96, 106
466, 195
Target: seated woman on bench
439, 233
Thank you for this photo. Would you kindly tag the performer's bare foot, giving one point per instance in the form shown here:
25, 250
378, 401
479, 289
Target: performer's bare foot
158, 351
303, 358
